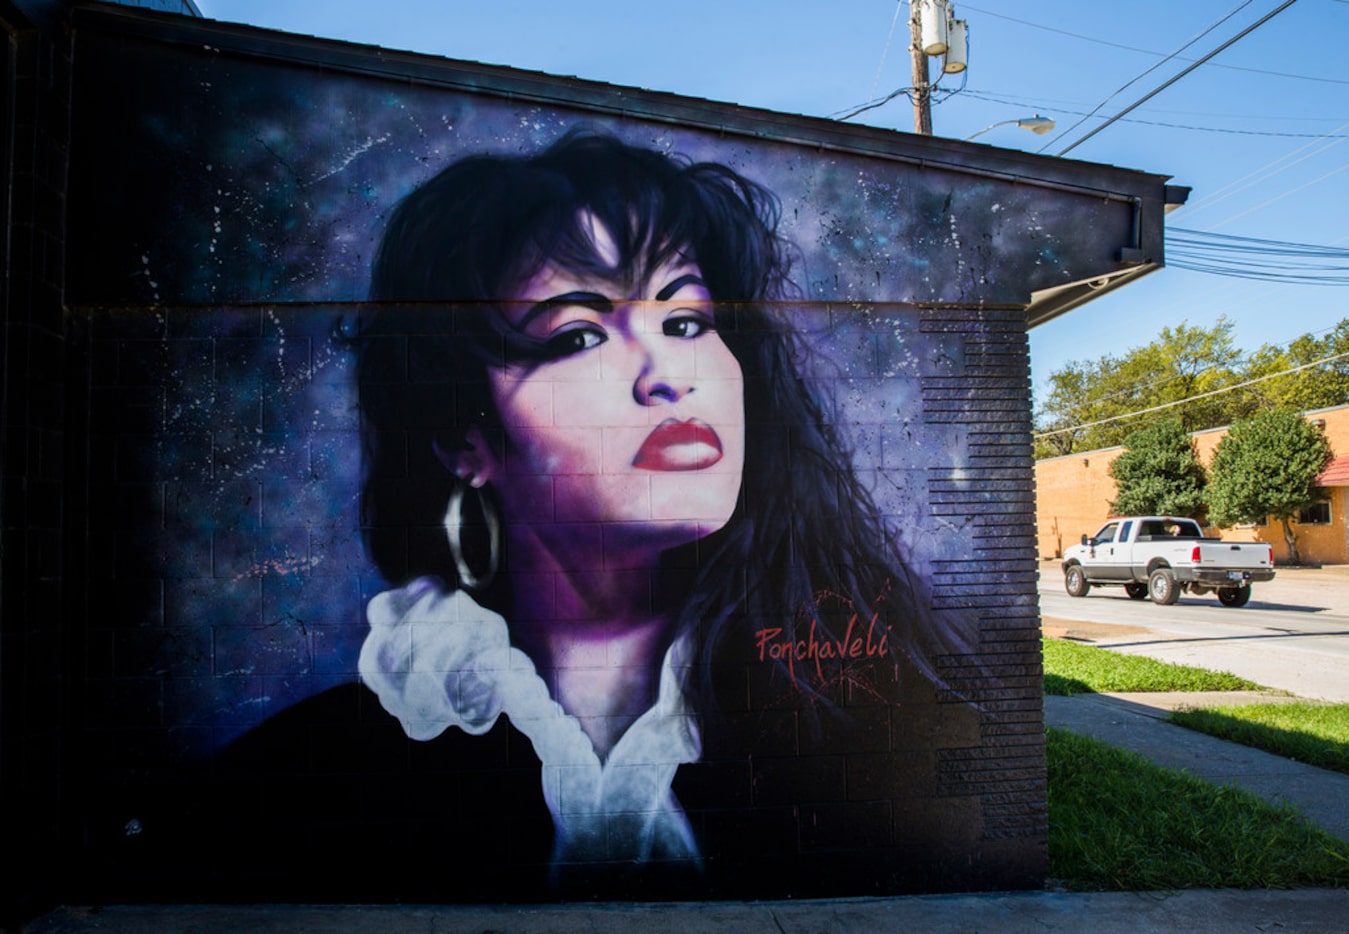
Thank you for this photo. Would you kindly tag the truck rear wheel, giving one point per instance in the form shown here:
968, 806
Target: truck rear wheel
1163, 587
1136, 591
1235, 596
1075, 581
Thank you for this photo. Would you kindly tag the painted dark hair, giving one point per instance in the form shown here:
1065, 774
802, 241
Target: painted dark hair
806, 540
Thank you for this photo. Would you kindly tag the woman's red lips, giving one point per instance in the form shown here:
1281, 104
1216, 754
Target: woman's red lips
674, 445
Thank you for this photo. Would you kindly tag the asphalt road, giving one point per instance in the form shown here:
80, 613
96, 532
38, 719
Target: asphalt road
1292, 636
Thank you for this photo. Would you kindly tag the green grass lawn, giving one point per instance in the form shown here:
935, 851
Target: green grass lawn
1118, 822
1317, 734
1074, 668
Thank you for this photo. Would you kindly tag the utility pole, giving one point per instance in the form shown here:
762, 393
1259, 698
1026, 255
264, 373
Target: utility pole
934, 32
922, 89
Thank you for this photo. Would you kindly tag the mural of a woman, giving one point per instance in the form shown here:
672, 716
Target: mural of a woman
599, 476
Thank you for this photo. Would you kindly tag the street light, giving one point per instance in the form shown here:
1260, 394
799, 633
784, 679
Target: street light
1037, 124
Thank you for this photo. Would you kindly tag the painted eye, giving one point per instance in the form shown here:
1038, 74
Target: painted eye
573, 341
686, 327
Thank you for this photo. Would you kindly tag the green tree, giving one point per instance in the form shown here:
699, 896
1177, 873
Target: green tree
1090, 402
1159, 474
1315, 371
1267, 465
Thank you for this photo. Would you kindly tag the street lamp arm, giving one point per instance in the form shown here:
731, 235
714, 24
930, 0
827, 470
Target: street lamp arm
1037, 124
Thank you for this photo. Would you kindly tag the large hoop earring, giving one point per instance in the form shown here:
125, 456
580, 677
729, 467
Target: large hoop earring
454, 530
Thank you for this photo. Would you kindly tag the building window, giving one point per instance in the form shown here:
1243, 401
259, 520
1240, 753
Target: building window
1317, 513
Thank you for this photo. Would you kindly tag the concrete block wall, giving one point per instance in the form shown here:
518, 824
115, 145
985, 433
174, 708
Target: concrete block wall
186, 575
33, 436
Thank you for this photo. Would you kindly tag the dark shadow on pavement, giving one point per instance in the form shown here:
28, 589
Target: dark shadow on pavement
1269, 635
1209, 600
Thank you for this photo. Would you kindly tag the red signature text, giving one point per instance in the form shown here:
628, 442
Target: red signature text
859, 641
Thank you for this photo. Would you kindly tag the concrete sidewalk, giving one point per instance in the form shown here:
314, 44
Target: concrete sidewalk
1204, 912
1136, 722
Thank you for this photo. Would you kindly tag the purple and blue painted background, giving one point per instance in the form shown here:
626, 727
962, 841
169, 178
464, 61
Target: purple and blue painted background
227, 198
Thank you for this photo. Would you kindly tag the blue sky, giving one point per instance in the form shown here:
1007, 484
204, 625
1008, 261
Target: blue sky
1261, 133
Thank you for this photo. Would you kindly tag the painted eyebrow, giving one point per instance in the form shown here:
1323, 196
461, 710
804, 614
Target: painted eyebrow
592, 300
668, 292
599, 303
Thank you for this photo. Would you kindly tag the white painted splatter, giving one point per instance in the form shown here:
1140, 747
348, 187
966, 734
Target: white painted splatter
351, 156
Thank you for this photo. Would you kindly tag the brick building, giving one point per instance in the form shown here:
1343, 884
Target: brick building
1074, 491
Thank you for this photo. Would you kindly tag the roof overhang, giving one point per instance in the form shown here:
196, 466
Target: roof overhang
1133, 245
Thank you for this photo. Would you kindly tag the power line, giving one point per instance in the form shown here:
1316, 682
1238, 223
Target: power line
931, 89
1254, 258
1202, 395
1173, 126
1260, 175
1164, 380
874, 103
885, 52
848, 115
1060, 104
1131, 48
1198, 264
1259, 245
1185, 71
880, 102
1189, 42
1159, 382
1279, 197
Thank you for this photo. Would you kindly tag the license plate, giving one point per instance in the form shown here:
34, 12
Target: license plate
1236, 575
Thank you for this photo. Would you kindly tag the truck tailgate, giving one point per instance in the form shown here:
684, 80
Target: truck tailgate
1235, 555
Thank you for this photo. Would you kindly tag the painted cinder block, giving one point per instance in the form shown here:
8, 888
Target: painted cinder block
875, 727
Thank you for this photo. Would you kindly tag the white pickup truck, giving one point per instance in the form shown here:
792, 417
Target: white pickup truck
1160, 556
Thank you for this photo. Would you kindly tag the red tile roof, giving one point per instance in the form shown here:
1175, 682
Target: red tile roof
1335, 474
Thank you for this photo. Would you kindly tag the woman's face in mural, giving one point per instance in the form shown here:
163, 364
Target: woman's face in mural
635, 418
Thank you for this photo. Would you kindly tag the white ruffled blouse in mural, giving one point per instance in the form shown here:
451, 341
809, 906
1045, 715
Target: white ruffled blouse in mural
437, 660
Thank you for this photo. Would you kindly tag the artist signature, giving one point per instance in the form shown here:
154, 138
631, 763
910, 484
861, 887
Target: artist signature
819, 651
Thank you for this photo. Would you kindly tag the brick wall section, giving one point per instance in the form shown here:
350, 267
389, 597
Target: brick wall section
991, 498
1317, 544
1073, 495
35, 87
1072, 498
